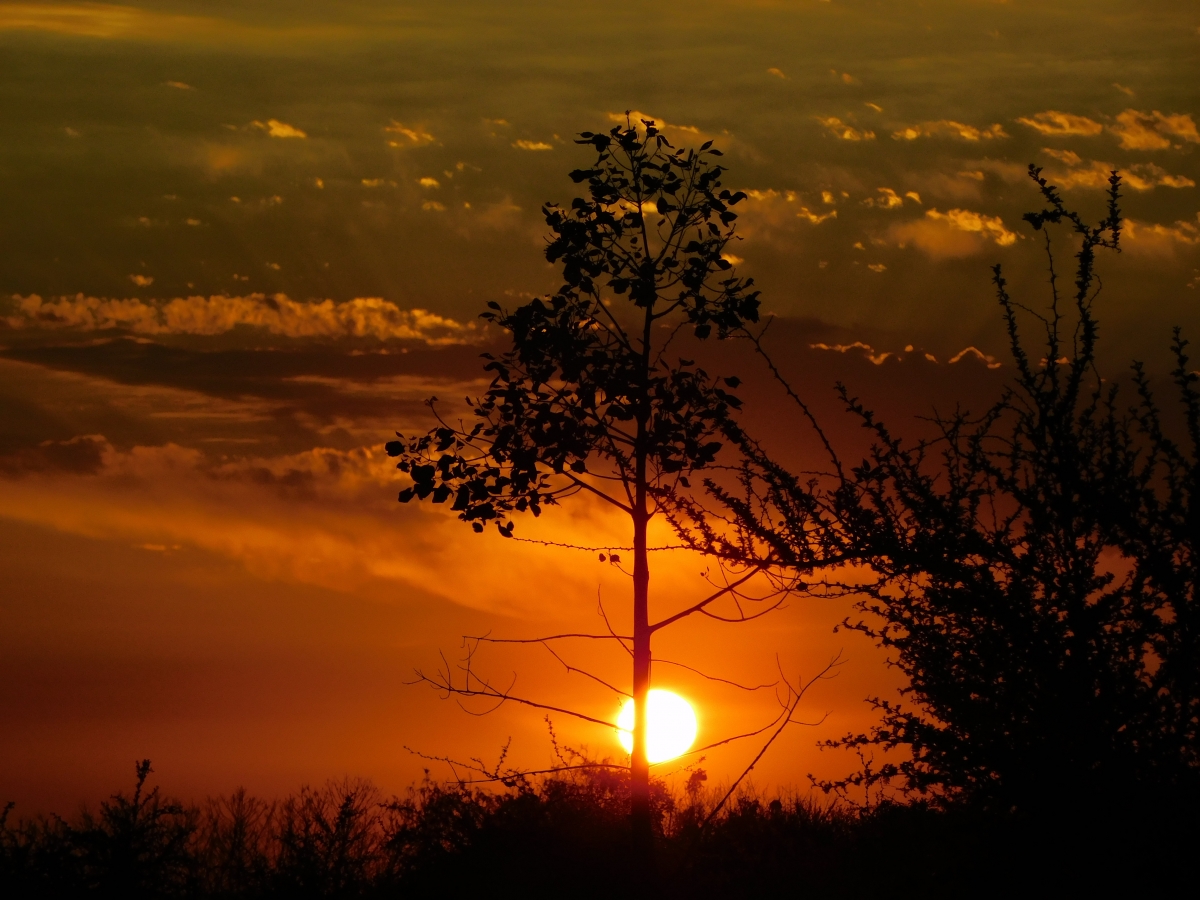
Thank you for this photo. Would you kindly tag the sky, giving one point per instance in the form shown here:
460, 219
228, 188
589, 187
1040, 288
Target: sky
243, 242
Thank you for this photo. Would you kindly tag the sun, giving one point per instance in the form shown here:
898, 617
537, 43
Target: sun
670, 727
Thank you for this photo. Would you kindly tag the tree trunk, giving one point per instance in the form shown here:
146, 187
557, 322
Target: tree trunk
639, 806
639, 774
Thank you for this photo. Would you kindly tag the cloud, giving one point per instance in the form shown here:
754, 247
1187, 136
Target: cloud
676, 132
949, 128
1127, 91
815, 218
1152, 239
778, 73
844, 132
991, 227
532, 145
363, 317
1054, 122
413, 137
888, 199
1094, 174
500, 216
953, 234
142, 280
97, 20
1153, 130
112, 21
866, 349
429, 182
322, 516
1147, 176
879, 357
277, 129
83, 454
877, 267
179, 85
975, 352
433, 205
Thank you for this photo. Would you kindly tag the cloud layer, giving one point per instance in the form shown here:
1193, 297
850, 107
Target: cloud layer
362, 317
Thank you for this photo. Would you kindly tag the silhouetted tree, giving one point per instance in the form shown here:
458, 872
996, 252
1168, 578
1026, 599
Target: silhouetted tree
136, 846
329, 841
587, 399
1034, 568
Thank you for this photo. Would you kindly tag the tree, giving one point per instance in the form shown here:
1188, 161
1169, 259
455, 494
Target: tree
587, 399
1034, 568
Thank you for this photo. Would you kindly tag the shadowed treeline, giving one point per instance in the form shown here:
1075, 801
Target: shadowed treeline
562, 835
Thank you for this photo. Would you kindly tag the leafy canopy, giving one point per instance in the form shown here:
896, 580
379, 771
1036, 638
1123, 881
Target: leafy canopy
586, 397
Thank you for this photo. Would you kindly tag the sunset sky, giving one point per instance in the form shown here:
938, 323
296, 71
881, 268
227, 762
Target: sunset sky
242, 243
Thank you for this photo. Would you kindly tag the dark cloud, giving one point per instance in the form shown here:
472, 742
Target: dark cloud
82, 455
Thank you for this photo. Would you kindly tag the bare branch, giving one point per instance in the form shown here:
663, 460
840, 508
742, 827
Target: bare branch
797, 696
744, 687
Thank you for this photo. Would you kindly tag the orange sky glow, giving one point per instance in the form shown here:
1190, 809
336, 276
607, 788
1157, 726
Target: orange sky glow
243, 246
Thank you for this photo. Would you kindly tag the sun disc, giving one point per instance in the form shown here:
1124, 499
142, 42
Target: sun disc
670, 726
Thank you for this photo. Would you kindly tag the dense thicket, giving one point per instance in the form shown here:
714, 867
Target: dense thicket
1033, 569
562, 836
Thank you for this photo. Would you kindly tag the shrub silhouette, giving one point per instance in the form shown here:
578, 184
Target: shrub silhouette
1035, 571
563, 834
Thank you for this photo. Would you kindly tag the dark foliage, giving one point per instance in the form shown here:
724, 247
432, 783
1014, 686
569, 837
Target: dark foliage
562, 836
1034, 570
587, 385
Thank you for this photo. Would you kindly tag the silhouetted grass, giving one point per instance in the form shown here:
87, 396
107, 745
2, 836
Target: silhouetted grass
566, 835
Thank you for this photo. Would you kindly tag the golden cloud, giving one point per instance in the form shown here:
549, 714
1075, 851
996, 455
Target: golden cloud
953, 234
879, 357
675, 132
815, 218
989, 361
100, 20
362, 317
1153, 239
867, 350
115, 21
1094, 174
844, 132
948, 128
887, 199
415, 136
1054, 122
532, 145
325, 517
277, 129
1153, 130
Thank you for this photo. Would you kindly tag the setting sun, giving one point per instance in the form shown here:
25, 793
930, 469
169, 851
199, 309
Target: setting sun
671, 728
